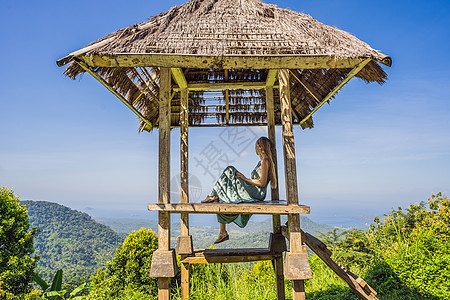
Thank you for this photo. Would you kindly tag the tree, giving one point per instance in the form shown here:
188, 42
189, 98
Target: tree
16, 245
129, 270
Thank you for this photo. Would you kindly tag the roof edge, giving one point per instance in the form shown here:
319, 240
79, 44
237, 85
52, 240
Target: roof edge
66, 59
285, 61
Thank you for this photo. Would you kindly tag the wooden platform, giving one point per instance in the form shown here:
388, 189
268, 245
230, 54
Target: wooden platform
207, 256
261, 207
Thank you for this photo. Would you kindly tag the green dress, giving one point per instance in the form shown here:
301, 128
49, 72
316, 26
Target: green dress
232, 189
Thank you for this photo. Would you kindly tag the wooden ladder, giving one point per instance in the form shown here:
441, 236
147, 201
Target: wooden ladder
356, 284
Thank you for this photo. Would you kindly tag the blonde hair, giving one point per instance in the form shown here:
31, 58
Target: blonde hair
266, 147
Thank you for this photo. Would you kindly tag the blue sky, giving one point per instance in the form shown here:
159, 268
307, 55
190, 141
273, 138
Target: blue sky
374, 147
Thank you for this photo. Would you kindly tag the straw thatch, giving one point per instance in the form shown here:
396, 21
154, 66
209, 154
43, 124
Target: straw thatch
228, 27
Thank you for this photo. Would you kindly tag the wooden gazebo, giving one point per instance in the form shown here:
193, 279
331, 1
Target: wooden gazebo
230, 63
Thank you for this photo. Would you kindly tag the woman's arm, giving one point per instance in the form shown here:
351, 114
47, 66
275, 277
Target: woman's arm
262, 181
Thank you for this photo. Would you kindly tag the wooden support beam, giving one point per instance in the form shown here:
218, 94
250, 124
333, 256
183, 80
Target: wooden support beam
288, 138
228, 259
164, 175
164, 136
297, 251
112, 90
298, 290
208, 256
184, 242
277, 244
179, 78
306, 85
271, 77
349, 76
213, 208
279, 277
184, 150
276, 221
163, 288
185, 268
293, 61
143, 91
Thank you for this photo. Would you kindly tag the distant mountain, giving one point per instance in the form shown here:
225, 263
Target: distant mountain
124, 226
69, 240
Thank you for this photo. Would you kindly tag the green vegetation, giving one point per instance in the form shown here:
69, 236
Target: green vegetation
404, 256
16, 245
416, 246
129, 271
69, 240
56, 292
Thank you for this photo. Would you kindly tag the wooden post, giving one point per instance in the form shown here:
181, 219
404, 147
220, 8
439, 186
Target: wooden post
164, 174
185, 267
184, 159
184, 241
298, 289
271, 77
184, 187
276, 220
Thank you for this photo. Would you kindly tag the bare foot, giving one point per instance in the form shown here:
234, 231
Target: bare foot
211, 199
222, 238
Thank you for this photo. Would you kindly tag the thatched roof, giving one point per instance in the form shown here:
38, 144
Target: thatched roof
220, 28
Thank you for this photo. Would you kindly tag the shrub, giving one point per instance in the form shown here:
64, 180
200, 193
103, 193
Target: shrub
16, 245
129, 270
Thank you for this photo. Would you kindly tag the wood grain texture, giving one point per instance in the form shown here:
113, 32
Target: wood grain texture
184, 244
288, 138
164, 136
213, 208
164, 159
184, 158
164, 264
279, 277
185, 268
163, 288
271, 77
220, 62
298, 290
179, 78
207, 256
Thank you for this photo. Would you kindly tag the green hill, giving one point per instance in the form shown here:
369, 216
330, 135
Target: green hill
69, 240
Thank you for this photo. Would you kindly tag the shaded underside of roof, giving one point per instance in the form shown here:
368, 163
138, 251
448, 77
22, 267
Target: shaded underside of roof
228, 27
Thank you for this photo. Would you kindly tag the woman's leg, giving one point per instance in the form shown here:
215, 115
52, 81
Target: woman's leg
223, 229
223, 234
224, 188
